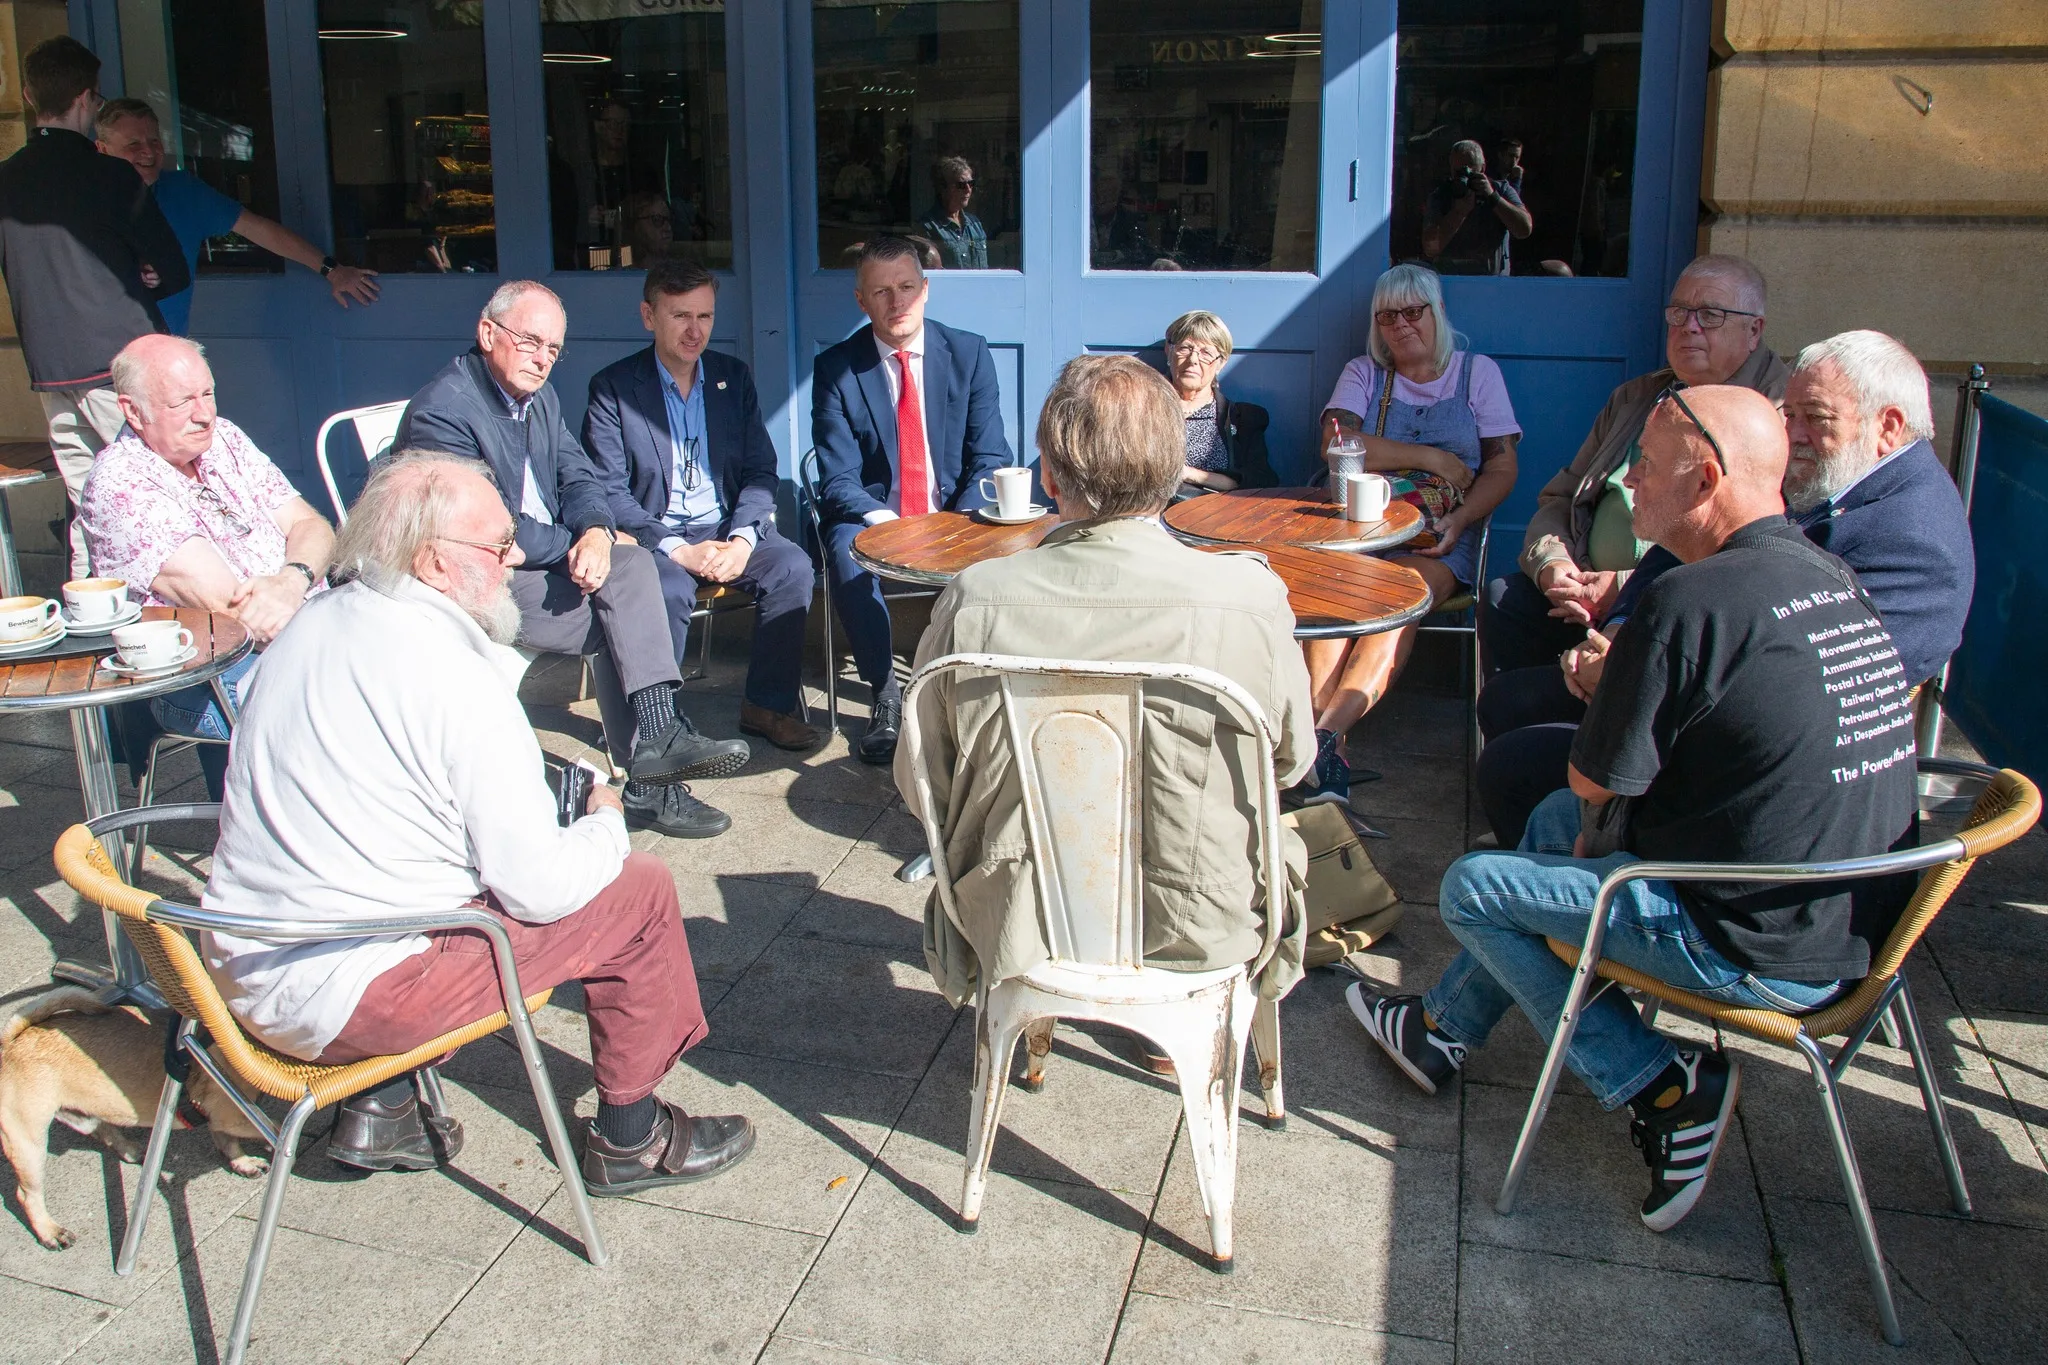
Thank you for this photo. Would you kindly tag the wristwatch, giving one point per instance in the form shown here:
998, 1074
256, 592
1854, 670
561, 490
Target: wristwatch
328, 265
311, 577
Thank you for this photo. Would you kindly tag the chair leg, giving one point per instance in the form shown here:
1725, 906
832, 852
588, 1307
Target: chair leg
995, 1040
145, 792
1266, 1048
281, 1159
1930, 1094
1478, 738
1577, 997
558, 1135
1852, 1184
1650, 1007
703, 649
831, 667
1888, 1024
152, 1163
1037, 1043
1208, 1066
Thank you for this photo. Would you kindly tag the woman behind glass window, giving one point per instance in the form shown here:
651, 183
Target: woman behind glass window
1226, 441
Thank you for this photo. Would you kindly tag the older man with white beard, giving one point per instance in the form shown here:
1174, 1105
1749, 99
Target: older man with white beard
382, 765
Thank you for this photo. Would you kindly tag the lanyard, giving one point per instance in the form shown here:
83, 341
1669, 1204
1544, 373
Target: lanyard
691, 443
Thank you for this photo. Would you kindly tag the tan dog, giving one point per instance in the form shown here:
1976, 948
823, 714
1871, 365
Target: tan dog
65, 1056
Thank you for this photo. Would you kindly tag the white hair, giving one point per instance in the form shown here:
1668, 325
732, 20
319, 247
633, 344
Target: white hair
506, 297
130, 373
1882, 374
1736, 270
1471, 148
1403, 287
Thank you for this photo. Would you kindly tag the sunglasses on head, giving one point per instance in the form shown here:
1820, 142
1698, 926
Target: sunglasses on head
1671, 392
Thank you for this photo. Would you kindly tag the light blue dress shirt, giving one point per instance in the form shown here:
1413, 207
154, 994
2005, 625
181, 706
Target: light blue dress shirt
694, 505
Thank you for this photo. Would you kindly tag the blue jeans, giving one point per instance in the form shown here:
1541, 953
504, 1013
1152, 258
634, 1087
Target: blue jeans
195, 712
1501, 906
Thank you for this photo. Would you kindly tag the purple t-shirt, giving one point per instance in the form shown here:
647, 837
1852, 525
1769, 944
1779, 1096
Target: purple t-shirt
1358, 391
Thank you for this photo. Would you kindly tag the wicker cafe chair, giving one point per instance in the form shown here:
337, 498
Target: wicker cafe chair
211, 1036
2006, 809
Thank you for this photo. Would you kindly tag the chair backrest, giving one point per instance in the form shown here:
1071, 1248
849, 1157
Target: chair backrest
1076, 731
376, 427
807, 495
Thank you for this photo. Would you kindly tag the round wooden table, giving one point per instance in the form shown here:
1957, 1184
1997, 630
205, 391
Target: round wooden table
1289, 516
78, 685
1333, 595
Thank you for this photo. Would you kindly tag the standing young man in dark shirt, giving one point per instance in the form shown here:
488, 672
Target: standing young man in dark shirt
87, 254
1754, 711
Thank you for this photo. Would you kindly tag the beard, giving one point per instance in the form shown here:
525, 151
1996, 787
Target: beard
1811, 478
489, 605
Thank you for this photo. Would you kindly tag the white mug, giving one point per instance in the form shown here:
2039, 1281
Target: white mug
151, 644
1011, 491
92, 600
1366, 497
24, 618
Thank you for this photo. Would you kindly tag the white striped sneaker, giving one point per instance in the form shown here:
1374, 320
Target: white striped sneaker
1680, 1142
1398, 1024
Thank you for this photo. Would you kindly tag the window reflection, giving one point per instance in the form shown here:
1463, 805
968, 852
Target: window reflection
639, 164
917, 129
1205, 134
408, 135
1515, 135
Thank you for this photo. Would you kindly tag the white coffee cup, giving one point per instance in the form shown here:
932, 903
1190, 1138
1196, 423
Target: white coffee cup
1366, 497
152, 644
24, 618
1011, 491
92, 600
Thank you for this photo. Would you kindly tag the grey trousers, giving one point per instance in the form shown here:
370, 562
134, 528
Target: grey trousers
625, 619
82, 422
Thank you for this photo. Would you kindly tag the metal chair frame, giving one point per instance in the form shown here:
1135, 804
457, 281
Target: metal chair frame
375, 410
284, 1136
1950, 857
1466, 602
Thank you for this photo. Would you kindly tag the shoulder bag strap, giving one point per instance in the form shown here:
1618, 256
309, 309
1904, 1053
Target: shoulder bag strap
1379, 426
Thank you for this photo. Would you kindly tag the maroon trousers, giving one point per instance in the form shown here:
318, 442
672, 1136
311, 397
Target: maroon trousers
626, 947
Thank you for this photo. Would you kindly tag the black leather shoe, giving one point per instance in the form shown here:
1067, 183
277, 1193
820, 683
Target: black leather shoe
679, 1150
877, 743
371, 1136
681, 753
672, 811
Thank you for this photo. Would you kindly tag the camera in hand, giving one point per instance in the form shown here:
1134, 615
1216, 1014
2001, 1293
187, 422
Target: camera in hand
574, 793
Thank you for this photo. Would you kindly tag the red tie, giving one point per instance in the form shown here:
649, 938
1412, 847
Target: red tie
916, 480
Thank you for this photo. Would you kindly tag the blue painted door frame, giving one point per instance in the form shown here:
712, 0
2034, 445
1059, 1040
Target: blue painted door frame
286, 356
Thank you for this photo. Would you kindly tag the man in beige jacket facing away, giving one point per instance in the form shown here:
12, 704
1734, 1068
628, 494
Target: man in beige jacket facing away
1111, 584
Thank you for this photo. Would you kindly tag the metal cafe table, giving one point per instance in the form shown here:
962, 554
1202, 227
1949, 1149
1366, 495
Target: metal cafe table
78, 685
1289, 516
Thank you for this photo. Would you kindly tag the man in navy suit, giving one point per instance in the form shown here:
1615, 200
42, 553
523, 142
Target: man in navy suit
1864, 484
577, 586
675, 432
907, 419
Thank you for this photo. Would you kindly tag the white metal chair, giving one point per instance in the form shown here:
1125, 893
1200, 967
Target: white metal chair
1460, 616
1076, 732
376, 428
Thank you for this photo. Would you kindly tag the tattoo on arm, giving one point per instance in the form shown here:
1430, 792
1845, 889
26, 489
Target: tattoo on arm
1346, 419
1491, 447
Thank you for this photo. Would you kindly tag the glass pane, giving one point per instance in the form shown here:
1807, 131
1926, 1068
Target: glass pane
1206, 134
204, 67
408, 135
917, 129
639, 164
1534, 99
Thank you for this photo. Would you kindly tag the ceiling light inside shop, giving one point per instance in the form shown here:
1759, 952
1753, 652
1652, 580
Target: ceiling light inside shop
1296, 39
361, 35
575, 58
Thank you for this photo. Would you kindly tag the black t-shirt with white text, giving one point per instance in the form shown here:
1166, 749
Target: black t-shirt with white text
1757, 711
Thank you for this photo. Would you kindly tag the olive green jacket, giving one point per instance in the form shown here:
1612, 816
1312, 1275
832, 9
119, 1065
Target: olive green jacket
1119, 589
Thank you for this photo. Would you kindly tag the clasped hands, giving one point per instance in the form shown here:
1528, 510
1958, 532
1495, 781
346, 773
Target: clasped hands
264, 604
1580, 596
715, 561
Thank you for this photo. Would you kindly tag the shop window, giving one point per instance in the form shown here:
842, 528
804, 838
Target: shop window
917, 130
408, 135
639, 163
1515, 135
1205, 135
203, 67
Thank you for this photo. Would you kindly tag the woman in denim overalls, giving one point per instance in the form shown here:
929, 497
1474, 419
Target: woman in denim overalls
1412, 338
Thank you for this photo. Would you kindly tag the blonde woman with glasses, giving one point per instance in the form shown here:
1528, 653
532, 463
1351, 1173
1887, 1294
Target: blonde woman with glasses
1435, 418
1226, 441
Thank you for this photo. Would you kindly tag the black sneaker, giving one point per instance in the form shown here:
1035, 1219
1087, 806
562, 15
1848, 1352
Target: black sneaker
877, 743
1396, 1023
1681, 1142
681, 753
1330, 783
673, 811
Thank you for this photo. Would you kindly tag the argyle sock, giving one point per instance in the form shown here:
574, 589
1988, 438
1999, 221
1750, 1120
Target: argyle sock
654, 707
626, 1125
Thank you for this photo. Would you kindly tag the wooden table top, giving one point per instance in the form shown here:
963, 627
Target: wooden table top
54, 684
26, 462
1289, 516
1333, 594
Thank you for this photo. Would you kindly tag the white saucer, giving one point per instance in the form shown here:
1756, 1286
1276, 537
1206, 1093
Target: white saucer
989, 514
20, 648
112, 663
129, 616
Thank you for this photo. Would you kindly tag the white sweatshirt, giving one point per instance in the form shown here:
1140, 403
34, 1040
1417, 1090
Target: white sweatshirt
382, 765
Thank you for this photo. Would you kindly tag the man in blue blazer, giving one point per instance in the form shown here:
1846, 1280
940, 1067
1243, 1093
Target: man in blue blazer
675, 432
1864, 484
578, 589
878, 441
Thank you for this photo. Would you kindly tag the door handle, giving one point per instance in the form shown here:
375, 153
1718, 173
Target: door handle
1354, 182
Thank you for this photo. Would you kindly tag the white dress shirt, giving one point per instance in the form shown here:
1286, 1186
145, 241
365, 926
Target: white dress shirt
531, 504
693, 514
893, 371
382, 766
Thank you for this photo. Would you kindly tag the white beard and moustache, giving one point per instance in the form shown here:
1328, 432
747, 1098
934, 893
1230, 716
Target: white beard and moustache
492, 608
1828, 475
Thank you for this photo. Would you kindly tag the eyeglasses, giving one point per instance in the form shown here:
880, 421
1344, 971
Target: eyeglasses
1386, 317
1675, 396
1196, 351
215, 502
963, 184
530, 345
501, 548
1709, 318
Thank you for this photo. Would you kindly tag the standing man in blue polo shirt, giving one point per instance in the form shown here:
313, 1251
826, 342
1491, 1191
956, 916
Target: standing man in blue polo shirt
128, 128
